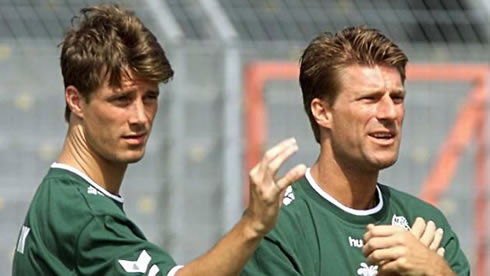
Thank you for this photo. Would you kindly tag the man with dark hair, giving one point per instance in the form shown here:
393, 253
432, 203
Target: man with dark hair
338, 220
112, 65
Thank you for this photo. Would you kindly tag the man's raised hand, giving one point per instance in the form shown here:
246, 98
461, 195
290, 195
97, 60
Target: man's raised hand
266, 189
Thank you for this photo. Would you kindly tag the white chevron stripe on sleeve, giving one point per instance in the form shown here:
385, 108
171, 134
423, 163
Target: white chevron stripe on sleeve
139, 265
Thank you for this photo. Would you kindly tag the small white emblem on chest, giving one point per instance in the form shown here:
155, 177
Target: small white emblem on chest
288, 196
367, 270
400, 221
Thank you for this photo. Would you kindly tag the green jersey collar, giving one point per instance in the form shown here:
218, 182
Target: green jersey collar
88, 179
335, 202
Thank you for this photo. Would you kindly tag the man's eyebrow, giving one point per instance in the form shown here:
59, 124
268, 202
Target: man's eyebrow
124, 90
157, 91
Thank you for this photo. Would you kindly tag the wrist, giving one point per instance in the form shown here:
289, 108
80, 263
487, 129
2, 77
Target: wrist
252, 229
443, 268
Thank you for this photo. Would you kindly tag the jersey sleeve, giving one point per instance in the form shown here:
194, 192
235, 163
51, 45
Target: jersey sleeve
107, 246
455, 256
271, 258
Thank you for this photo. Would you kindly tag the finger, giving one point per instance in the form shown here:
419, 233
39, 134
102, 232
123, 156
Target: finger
428, 236
253, 172
437, 239
291, 176
390, 267
378, 243
257, 173
272, 153
273, 166
382, 231
369, 226
441, 251
384, 255
418, 227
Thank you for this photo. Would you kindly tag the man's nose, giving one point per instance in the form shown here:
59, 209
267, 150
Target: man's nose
386, 108
138, 114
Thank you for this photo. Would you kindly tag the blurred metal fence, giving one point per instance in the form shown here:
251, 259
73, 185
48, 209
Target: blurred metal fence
188, 189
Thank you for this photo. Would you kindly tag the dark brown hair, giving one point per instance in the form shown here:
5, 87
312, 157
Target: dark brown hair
108, 42
328, 53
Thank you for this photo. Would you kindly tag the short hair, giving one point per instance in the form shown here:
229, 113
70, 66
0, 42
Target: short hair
328, 53
107, 42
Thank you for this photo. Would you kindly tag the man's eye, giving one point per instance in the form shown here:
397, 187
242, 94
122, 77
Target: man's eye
121, 100
151, 97
368, 98
398, 98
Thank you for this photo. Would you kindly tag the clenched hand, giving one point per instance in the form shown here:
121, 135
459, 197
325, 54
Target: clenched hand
400, 252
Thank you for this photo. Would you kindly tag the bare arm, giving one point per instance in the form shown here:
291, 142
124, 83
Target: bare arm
231, 253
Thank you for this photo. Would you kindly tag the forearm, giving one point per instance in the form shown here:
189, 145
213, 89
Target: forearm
229, 255
441, 267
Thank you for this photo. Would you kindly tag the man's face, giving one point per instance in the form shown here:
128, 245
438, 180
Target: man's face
367, 117
117, 121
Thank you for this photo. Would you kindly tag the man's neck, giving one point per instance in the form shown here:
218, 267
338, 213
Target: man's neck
78, 154
351, 186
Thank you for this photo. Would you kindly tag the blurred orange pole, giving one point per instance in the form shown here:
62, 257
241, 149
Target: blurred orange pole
256, 75
481, 203
459, 137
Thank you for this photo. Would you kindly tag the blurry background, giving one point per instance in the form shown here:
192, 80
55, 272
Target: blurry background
188, 190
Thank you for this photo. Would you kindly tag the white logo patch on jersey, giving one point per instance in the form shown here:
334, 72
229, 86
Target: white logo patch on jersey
288, 196
367, 270
355, 242
22, 239
400, 221
91, 190
153, 270
139, 265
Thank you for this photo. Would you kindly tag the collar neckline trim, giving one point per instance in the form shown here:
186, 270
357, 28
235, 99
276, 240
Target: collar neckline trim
88, 179
335, 202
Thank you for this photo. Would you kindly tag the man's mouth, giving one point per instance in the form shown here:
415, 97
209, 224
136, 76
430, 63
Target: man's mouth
382, 135
135, 139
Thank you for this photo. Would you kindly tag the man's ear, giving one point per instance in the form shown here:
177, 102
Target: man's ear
322, 112
75, 101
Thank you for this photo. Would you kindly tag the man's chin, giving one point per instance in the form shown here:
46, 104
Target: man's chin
134, 157
386, 163
383, 161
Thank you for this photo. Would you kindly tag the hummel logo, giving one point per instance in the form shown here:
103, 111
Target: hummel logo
139, 265
288, 196
355, 242
365, 270
22, 239
93, 191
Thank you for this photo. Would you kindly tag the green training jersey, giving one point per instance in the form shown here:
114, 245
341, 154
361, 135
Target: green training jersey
75, 227
317, 235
